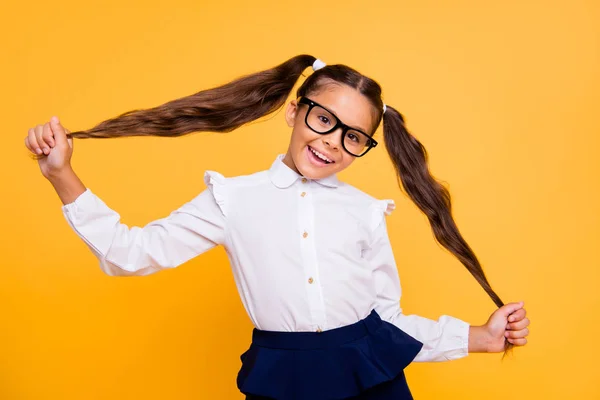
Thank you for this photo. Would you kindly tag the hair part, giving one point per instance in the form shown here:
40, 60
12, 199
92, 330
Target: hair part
250, 97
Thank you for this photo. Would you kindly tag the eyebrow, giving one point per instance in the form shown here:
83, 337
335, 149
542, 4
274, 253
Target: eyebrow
339, 119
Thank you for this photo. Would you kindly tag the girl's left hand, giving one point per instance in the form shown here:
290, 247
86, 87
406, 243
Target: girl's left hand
508, 322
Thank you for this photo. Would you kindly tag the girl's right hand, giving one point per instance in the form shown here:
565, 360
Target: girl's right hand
50, 144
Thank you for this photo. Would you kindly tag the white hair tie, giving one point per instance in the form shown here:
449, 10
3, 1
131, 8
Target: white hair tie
318, 64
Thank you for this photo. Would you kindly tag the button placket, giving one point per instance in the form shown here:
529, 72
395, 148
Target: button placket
310, 264
303, 221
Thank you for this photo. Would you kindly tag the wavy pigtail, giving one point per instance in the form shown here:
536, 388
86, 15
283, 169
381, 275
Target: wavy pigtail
220, 109
410, 161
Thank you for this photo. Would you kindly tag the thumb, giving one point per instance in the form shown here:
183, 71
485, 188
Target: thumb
510, 308
69, 139
60, 136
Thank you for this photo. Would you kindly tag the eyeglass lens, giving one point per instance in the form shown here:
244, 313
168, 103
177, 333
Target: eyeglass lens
321, 121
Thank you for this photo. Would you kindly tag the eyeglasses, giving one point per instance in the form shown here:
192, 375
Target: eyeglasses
322, 121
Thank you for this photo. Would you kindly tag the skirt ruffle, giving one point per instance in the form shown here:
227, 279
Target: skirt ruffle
334, 364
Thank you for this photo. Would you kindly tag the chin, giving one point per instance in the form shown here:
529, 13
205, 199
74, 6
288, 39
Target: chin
307, 171
311, 172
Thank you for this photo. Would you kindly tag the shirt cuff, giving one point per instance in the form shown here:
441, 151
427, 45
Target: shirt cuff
457, 333
92, 220
84, 200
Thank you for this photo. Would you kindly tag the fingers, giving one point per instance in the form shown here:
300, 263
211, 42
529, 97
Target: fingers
47, 135
69, 139
518, 337
517, 323
517, 334
42, 138
58, 130
33, 142
517, 315
516, 326
41, 133
518, 342
27, 143
510, 308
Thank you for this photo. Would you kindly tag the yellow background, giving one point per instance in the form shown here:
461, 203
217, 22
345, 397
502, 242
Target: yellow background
504, 95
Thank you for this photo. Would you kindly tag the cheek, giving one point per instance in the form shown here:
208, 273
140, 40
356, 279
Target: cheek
301, 136
344, 162
297, 138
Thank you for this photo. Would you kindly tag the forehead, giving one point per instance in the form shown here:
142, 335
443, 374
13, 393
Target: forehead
353, 108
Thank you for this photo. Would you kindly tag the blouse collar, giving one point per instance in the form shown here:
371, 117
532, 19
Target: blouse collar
283, 176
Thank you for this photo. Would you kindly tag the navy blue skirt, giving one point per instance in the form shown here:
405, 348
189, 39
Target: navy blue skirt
361, 361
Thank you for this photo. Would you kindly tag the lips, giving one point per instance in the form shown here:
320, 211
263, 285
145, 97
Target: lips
320, 156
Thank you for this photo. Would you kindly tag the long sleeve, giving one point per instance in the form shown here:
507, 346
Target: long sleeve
194, 228
444, 339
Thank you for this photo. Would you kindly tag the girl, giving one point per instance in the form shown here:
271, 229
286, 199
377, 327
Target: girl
310, 254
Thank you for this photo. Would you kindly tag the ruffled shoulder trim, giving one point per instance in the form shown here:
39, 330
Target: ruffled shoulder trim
216, 183
380, 209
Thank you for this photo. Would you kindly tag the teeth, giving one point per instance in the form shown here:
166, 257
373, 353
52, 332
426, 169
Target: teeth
321, 156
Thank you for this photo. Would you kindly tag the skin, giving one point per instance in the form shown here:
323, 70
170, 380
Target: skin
51, 143
351, 107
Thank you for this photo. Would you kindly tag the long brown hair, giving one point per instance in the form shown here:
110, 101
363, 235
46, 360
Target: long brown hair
250, 97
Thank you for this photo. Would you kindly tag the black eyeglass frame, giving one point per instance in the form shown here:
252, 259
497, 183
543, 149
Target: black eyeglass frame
345, 128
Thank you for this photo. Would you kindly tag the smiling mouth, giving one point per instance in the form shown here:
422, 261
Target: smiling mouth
318, 157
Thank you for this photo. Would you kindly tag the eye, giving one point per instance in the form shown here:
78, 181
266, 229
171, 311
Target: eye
353, 137
324, 119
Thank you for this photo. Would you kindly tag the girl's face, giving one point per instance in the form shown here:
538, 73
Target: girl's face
349, 106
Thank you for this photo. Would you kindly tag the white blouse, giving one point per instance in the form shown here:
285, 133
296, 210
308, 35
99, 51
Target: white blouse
306, 255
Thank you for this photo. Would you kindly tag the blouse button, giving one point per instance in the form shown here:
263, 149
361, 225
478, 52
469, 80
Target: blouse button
305, 234
303, 194
304, 180
310, 280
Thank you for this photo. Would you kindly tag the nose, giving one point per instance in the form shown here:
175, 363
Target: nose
333, 139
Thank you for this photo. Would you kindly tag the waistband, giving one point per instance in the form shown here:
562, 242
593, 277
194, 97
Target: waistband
317, 340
